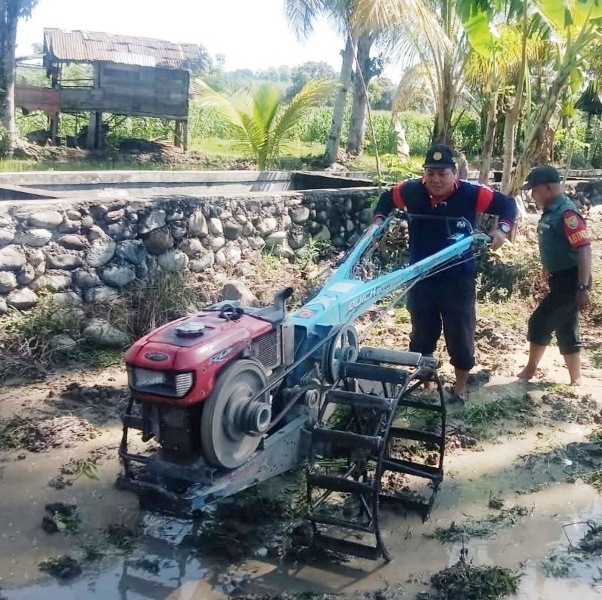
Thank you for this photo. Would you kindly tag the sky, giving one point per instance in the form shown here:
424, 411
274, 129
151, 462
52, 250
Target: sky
252, 34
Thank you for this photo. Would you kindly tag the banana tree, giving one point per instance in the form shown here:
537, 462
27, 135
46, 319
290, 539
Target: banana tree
261, 122
578, 26
573, 26
495, 67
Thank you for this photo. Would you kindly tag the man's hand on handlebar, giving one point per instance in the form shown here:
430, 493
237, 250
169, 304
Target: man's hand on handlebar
379, 222
498, 237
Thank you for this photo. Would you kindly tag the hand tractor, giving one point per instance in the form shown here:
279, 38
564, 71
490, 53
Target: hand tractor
234, 395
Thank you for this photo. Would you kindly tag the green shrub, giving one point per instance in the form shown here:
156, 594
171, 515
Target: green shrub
515, 273
467, 134
204, 122
386, 139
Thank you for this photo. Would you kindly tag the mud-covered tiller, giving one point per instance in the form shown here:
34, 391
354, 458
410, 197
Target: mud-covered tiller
235, 395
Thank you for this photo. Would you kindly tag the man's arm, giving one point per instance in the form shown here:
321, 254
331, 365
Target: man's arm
584, 265
496, 203
383, 207
575, 232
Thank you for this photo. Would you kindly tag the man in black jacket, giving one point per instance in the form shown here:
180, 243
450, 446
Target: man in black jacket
445, 300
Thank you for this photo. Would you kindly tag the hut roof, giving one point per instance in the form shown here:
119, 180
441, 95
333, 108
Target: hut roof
93, 46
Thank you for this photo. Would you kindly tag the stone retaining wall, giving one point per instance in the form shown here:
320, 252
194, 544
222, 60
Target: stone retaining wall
87, 251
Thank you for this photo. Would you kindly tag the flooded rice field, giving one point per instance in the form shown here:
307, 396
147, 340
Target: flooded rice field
520, 494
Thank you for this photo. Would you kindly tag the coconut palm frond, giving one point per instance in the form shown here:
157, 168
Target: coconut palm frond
312, 93
409, 14
301, 15
225, 106
259, 118
415, 89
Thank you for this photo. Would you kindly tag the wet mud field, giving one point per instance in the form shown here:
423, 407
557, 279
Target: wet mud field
519, 507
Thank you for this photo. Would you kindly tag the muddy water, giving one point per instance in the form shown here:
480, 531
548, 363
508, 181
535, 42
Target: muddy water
499, 470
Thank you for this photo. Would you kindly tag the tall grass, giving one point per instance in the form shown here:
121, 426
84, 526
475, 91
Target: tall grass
26, 338
152, 302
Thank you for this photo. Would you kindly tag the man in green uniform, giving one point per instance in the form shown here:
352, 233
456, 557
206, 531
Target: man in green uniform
565, 251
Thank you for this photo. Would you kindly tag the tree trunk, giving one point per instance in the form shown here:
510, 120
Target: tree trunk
510, 121
442, 131
9, 15
489, 138
357, 123
589, 139
544, 116
338, 113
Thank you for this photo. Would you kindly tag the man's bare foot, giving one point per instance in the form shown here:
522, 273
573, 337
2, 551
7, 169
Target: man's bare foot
576, 382
525, 375
459, 396
430, 387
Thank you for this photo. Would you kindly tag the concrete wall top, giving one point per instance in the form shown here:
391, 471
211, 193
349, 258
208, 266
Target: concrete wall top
40, 178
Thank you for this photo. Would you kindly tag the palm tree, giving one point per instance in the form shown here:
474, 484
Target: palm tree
355, 20
10, 13
261, 122
441, 46
301, 16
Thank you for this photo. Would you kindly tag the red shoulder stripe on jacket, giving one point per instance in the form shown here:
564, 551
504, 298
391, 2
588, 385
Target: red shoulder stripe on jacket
398, 200
484, 198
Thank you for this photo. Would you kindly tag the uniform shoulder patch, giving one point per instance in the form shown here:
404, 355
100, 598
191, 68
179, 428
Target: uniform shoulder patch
571, 221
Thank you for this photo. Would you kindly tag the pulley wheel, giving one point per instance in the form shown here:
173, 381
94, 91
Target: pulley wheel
342, 348
232, 424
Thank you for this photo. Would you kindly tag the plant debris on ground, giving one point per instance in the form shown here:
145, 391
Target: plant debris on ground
480, 528
39, 435
482, 418
249, 522
62, 567
63, 517
592, 540
464, 581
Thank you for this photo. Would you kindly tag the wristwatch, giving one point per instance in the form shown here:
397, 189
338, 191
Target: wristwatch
504, 227
582, 287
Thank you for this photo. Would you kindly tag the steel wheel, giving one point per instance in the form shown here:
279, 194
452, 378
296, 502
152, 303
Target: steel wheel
232, 425
342, 348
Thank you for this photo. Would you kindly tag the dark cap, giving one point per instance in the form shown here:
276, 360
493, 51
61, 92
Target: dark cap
541, 174
440, 156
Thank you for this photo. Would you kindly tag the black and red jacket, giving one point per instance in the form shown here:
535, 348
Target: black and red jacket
428, 236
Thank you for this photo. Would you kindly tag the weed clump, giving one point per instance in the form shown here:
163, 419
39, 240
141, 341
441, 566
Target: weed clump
120, 536
39, 435
592, 540
481, 418
464, 581
235, 529
480, 528
62, 567
62, 517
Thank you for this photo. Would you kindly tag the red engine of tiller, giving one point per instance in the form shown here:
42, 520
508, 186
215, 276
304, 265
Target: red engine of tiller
194, 378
